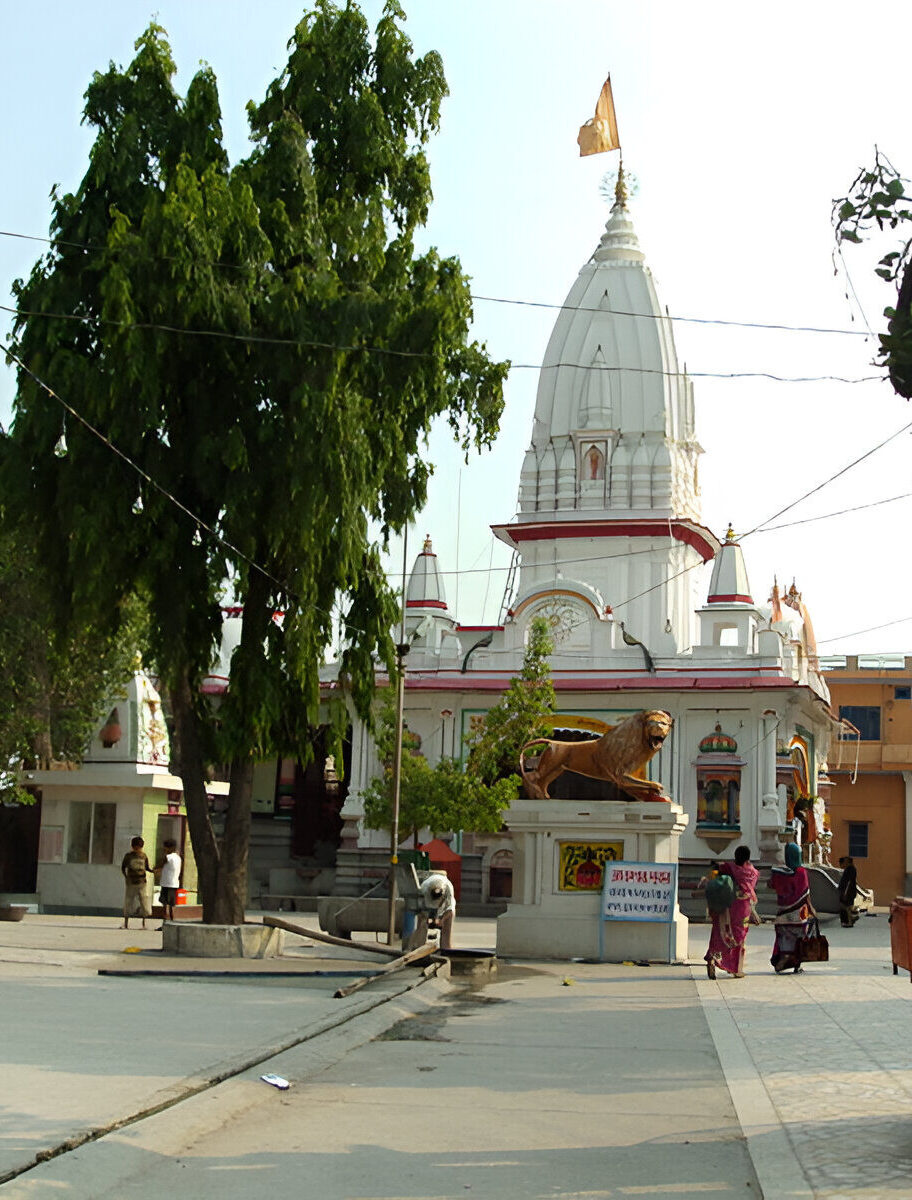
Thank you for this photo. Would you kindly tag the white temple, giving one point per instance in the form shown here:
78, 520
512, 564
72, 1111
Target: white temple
607, 538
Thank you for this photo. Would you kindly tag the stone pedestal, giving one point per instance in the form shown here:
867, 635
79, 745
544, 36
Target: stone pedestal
548, 916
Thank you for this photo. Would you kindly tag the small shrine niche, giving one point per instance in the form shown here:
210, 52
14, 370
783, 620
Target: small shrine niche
718, 768
593, 463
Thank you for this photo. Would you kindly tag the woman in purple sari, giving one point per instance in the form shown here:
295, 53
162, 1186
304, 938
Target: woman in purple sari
793, 892
729, 928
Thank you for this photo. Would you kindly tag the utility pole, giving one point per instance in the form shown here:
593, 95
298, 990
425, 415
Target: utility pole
401, 651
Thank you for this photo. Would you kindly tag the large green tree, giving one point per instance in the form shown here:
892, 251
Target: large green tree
879, 200
264, 342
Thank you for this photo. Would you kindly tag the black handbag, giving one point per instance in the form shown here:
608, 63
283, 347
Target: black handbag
813, 947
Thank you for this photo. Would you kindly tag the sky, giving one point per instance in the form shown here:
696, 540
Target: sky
741, 124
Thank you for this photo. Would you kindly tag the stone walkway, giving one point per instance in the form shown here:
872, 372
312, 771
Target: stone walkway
819, 1066
559, 1081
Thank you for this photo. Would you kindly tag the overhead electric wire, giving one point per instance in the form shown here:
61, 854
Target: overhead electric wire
308, 344
199, 522
284, 587
779, 327
775, 326
858, 632
835, 475
839, 513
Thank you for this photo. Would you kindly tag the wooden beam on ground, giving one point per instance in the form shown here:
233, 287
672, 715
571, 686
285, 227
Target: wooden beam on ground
397, 964
319, 936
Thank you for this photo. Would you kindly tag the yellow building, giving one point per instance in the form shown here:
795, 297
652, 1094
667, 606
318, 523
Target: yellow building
871, 806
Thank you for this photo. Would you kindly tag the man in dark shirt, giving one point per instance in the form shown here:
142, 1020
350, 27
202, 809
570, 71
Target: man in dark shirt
134, 868
848, 890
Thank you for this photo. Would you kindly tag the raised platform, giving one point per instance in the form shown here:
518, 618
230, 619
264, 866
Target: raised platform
559, 849
221, 941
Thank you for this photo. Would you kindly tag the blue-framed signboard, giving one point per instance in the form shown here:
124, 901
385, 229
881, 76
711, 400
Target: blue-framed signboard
638, 891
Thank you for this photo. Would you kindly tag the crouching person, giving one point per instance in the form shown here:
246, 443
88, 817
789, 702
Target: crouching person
440, 904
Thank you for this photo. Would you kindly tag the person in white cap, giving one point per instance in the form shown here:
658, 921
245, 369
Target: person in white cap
440, 902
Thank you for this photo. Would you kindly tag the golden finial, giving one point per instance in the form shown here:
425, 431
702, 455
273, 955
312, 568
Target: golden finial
730, 533
428, 548
620, 188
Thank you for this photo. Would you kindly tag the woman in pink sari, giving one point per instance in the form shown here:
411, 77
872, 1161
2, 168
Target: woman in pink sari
729, 927
793, 892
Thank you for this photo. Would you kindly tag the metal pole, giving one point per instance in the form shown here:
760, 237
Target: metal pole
401, 651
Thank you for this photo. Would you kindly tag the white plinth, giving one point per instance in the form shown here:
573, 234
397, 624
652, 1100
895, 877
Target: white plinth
549, 919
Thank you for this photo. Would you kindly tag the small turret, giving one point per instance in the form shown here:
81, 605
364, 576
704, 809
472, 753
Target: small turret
729, 617
729, 584
425, 586
430, 630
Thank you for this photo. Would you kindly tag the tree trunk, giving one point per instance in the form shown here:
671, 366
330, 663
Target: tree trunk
231, 886
230, 898
191, 767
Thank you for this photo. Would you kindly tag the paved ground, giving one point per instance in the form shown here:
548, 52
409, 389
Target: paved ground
557, 1080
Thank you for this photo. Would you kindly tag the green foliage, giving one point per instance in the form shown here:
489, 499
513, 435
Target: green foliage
57, 677
518, 716
877, 200
287, 404
446, 797
12, 792
441, 798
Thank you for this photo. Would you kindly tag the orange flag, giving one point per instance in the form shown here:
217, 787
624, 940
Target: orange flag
600, 133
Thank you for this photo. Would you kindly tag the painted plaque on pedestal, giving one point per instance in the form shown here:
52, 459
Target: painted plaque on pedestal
562, 852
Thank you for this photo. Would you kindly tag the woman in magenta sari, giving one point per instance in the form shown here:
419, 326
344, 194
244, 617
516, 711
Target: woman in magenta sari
729, 928
793, 892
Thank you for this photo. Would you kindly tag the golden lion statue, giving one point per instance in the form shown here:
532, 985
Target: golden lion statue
620, 755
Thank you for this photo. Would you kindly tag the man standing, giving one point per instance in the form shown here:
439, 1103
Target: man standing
440, 901
134, 868
848, 890
170, 879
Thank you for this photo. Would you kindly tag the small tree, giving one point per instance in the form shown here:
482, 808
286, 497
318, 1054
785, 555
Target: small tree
520, 714
878, 199
447, 797
441, 798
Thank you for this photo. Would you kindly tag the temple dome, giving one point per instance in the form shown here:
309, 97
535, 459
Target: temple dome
718, 742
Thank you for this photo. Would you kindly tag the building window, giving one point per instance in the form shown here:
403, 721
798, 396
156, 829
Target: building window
902, 693
865, 718
858, 839
91, 837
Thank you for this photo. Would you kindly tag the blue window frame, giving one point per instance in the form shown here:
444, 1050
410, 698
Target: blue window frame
865, 718
858, 839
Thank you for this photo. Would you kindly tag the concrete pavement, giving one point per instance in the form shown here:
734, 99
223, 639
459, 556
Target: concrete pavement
555, 1080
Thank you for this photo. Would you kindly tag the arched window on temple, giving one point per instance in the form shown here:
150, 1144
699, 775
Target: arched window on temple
718, 770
